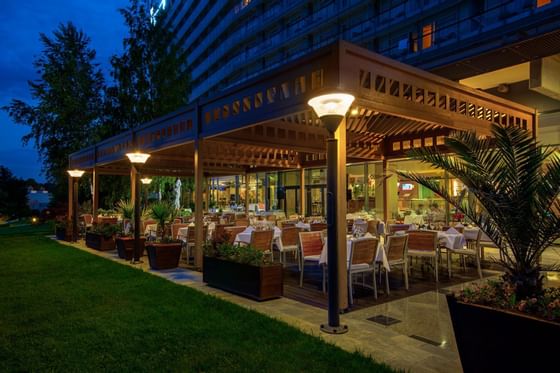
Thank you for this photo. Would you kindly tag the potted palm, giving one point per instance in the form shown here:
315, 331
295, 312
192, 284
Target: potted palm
164, 252
242, 270
515, 182
125, 239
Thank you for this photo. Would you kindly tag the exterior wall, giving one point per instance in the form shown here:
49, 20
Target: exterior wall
228, 42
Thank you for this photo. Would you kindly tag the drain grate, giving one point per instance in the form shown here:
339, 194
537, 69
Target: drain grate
425, 340
384, 320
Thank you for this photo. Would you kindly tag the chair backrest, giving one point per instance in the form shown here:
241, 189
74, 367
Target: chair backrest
290, 235
219, 231
362, 225
364, 250
286, 223
228, 217
175, 229
147, 222
396, 247
310, 243
191, 233
262, 240
317, 227
398, 227
422, 241
242, 222
372, 226
214, 218
232, 232
88, 219
240, 215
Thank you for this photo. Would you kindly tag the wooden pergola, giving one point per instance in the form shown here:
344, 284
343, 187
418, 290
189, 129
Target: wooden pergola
266, 124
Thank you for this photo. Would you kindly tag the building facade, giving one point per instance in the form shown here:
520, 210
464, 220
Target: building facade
509, 48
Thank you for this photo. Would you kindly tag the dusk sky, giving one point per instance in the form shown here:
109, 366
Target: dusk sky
20, 25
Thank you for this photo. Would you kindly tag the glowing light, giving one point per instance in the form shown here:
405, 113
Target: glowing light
146, 180
354, 111
138, 157
76, 173
331, 104
34, 219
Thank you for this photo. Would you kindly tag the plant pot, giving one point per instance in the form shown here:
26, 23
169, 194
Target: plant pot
60, 233
493, 340
255, 282
125, 247
99, 242
163, 255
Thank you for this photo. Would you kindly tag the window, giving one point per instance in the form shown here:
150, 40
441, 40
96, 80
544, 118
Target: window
428, 35
541, 3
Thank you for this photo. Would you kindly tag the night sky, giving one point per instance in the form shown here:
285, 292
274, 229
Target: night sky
20, 25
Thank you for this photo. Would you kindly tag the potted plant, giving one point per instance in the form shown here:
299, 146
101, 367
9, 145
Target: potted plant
125, 239
515, 183
164, 253
102, 237
62, 231
242, 270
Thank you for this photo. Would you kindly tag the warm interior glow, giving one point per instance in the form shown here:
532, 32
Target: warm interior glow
76, 173
331, 104
354, 111
146, 180
138, 157
427, 35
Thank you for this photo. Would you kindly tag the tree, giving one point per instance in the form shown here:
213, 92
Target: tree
13, 195
151, 76
516, 183
67, 102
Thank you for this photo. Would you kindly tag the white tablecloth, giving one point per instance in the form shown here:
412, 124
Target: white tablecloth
302, 225
245, 236
470, 233
414, 219
183, 232
380, 257
451, 240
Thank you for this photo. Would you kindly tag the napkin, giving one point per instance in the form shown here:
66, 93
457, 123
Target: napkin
452, 231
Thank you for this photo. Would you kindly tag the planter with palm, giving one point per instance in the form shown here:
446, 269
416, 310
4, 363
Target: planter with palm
165, 252
515, 182
125, 240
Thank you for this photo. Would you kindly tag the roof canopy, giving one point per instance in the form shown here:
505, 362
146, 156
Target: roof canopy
266, 123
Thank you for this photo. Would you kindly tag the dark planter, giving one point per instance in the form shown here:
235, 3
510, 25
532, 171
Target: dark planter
492, 340
125, 247
259, 283
163, 255
60, 233
99, 242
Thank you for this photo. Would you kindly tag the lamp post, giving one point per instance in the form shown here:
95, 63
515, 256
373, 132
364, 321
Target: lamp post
331, 109
137, 159
75, 175
146, 181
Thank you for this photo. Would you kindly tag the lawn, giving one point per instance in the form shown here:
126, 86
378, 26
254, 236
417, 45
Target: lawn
62, 309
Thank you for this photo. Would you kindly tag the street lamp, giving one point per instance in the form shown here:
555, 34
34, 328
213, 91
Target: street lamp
75, 175
137, 159
146, 180
331, 109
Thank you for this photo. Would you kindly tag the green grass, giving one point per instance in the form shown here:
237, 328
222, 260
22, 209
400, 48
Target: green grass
66, 310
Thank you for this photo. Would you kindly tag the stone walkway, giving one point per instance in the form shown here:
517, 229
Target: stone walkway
422, 340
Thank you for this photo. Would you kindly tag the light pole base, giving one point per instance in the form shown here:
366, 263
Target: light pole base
341, 329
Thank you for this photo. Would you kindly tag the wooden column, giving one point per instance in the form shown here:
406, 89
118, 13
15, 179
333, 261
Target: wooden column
207, 189
340, 135
132, 183
302, 192
198, 201
95, 195
247, 194
70, 200
384, 183
366, 187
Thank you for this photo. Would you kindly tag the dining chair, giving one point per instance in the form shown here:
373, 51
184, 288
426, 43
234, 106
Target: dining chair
372, 227
362, 260
361, 225
317, 227
190, 244
271, 218
147, 222
232, 231
177, 220
310, 245
424, 244
396, 252
288, 243
175, 229
262, 240
398, 227
242, 222
219, 233
472, 249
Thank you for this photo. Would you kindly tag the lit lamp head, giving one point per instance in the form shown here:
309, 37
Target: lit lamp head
146, 180
331, 108
137, 157
75, 173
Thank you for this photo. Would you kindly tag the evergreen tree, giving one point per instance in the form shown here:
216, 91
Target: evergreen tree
67, 102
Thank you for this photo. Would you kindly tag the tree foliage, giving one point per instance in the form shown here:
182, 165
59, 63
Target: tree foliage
67, 101
13, 195
516, 184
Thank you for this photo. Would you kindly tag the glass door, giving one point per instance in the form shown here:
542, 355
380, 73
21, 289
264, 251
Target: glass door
291, 200
316, 197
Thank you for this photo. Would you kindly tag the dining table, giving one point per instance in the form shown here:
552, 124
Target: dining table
380, 256
182, 233
451, 239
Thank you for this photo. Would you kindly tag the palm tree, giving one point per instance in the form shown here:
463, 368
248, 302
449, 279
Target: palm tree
515, 182
161, 212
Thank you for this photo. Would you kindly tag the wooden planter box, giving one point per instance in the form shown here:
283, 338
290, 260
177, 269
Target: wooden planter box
61, 234
99, 242
492, 340
163, 255
259, 283
125, 247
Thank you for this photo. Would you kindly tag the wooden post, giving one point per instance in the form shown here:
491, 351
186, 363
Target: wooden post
302, 192
366, 187
340, 135
247, 194
385, 194
198, 201
95, 196
70, 201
